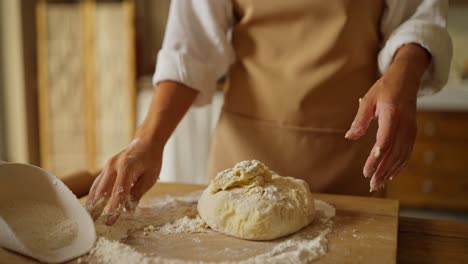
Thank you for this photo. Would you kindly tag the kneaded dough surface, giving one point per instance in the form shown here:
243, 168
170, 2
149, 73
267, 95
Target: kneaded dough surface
249, 201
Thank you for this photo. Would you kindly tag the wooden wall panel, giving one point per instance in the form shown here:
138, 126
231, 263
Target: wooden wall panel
114, 78
62, 122
87, 82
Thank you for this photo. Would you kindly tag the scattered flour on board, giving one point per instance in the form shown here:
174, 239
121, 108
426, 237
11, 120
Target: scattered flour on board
177, 215
182, 225
150, 216
42, 227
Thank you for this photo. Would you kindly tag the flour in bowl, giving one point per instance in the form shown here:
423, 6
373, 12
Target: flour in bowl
42, 227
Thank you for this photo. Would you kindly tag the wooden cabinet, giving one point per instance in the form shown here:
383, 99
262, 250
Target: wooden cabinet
436, 175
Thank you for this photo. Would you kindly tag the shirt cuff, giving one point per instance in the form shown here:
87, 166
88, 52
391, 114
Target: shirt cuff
435, 40
178, 67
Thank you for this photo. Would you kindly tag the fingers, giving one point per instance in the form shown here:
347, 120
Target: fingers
92, 190
385, 137
396, 157
362, 120
120, 198
97, 207
101, 190
126, 195
405, 146
399, 159
102, 195
378, 177
372, 161
141, 186
90, 203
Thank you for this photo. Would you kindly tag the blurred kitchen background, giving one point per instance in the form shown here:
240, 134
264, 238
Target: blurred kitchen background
75, 81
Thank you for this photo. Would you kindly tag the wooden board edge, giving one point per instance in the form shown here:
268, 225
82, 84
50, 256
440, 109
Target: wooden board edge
372, 205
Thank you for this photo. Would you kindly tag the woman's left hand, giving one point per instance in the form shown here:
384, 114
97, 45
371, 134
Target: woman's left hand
392, 101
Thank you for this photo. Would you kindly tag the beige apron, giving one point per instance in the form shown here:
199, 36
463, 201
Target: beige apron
293, 92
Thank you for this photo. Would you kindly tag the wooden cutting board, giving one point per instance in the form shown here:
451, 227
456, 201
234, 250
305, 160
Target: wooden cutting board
365, 229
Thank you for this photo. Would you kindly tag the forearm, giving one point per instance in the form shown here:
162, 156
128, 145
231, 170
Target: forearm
129, 174
170, 102
409, 64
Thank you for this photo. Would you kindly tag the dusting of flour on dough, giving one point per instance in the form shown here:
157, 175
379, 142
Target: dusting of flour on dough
247, 172
42, 227
110, 247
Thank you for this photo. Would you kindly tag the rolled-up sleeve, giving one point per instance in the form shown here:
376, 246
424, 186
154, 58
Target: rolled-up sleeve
422, 22
196, 50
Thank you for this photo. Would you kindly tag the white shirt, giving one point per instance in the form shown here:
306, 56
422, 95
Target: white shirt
197, 50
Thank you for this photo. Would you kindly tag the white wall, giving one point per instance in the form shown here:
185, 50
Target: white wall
454, 97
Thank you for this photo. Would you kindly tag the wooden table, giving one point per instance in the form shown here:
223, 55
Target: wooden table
432, 241
419, 240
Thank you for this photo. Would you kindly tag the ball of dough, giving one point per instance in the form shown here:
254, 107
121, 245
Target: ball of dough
251, 202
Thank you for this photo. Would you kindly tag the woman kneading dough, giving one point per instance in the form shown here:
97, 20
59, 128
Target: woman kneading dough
304, 80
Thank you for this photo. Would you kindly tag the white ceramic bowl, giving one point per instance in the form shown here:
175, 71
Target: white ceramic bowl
27, 182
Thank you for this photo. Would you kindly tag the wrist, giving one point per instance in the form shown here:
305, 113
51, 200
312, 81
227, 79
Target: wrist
407, 68
152, 132
412, 60
402, 71
170, 102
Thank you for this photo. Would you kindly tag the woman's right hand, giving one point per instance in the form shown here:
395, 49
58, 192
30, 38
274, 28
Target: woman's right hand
126, 177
